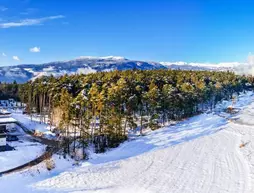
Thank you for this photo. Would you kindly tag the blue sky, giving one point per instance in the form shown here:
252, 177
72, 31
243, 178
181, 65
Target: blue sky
36, 31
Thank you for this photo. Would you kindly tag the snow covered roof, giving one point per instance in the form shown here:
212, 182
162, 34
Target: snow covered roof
4, 112
7, 120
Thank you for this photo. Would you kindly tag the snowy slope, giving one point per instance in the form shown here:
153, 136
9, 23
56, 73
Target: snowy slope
34, 124
209, 164
201, 154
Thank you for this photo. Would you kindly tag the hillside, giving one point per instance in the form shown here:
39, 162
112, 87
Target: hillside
82, 65
85, 65
201, 154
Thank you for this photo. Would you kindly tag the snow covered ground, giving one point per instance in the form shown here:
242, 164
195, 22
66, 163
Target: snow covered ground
24, 152
34, 124
21, 182
206, 153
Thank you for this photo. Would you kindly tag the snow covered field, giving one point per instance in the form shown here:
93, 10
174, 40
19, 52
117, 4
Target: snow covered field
206, 153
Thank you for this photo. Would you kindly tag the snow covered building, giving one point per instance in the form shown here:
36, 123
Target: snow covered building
5, 121
3, 127
8, 103
3, 137
4, 113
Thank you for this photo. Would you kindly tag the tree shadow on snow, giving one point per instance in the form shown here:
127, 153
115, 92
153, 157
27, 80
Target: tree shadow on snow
191, 129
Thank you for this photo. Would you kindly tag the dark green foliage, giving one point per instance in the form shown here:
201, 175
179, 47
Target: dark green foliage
9, 90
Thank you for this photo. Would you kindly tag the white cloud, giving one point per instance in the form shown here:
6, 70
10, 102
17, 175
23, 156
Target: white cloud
247, 68
29, 22
16, 58
35, 49
3, 54
2, 8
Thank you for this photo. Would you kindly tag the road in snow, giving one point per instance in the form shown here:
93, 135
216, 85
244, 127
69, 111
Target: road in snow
199, 155
25, 150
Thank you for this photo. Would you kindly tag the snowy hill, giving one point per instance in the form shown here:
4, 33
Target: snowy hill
82, 65
201, 154
88, 64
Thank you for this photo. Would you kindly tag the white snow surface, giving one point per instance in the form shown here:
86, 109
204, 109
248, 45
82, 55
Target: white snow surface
24, 152
199, 155
33, 125
4, 119
102, 58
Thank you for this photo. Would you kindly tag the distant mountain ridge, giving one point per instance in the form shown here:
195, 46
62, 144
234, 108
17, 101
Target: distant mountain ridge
88, 64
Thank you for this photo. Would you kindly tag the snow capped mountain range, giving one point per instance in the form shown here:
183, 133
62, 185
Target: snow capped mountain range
202, 66
89, 64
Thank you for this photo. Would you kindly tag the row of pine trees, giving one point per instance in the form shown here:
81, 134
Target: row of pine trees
9, 90
100, 108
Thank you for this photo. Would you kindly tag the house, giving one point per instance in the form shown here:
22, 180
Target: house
3, 137
4, 103
8, 103
5, 123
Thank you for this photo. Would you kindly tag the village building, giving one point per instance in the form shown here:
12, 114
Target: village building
5, 121
3, 138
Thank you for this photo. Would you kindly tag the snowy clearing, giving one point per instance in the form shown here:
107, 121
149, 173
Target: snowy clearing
206, 153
